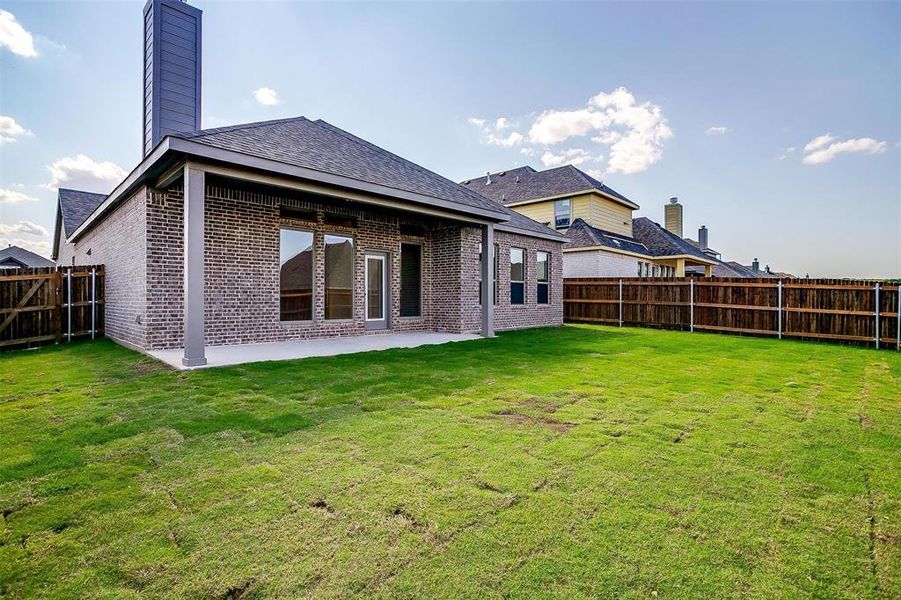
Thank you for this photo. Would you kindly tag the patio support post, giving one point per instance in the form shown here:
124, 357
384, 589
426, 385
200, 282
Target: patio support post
194, 184
487, 280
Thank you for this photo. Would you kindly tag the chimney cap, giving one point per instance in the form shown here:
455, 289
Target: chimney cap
674, 200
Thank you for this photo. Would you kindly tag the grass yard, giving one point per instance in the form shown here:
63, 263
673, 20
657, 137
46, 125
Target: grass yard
569, 462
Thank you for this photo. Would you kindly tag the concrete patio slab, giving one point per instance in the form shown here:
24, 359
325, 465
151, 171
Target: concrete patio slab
220, 356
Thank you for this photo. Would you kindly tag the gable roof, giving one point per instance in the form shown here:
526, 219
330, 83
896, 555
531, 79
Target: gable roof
23, 258
582, 235
75, 206
661, 242
320, 146
525, 183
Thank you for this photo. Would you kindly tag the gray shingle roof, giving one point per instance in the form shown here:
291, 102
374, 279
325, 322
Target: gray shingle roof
582, 235
323, 147
661, 242
720, 269
14, 256
75, 207
525, 183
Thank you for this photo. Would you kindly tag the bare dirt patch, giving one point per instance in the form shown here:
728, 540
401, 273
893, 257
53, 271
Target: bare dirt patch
523, 419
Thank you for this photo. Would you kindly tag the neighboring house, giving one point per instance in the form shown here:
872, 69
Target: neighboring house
292, 229
603, 239
14, 257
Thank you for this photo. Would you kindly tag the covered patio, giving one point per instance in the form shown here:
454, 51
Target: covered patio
221, 356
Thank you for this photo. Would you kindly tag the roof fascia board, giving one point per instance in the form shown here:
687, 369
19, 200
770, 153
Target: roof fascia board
264, 164
609, 249
626, 203
195, 149
324, 190
123, 188
528, 232
697, 259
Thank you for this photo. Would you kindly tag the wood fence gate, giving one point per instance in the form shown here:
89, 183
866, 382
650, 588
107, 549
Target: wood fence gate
837, 310
50, 305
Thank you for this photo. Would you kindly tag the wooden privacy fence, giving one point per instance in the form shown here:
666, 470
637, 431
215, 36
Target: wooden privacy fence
859, 312
50, 305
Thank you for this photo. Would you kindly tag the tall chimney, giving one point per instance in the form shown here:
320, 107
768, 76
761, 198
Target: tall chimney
755, 266
702, 237
672, 216
172, 69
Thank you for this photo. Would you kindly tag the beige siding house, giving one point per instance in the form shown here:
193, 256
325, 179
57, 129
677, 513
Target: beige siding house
603, 238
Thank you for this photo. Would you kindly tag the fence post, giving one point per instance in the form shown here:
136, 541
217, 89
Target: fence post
877, 316
780, 310
620, 302
69, 305
58, 300
691, 304
93, 302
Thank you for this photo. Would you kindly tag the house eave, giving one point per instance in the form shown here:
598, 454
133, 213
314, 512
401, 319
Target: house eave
608, 249
626, 203
528, 232
154, 165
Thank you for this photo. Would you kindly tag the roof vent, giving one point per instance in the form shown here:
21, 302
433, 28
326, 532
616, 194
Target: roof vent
487, 177
502, 173
517, 179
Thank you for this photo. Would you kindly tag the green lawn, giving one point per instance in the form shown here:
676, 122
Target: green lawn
569, 462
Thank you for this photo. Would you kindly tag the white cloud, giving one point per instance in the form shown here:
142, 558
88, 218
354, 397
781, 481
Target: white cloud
83, 173
8, 196
574, 156
24, 228
514, 139
490, 132
818, 142
10, 130
634, 132
15, 37
824, 148
41, 247
37, 238
786, 153
717, 130
266, 96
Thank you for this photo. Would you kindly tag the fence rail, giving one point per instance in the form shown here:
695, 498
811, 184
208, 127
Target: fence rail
50, 305
836, 310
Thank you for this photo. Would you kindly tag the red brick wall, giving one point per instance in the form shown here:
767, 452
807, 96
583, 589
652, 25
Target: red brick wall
506, 315
242, 269
118, 242
141, 244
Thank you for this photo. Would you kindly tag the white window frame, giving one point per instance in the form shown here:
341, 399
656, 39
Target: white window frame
557, 213
547, 274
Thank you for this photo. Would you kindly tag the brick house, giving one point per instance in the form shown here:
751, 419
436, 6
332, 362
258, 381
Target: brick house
291, 229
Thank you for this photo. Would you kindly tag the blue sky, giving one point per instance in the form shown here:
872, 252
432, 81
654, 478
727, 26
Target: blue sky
719, 101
